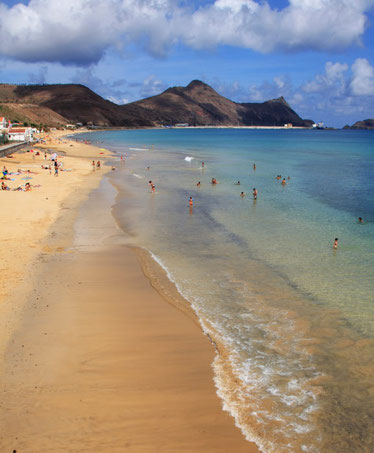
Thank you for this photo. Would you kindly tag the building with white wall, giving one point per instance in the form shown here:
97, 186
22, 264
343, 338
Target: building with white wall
20, 134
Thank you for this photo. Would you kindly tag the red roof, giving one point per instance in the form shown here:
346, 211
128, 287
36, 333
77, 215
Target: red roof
17, 130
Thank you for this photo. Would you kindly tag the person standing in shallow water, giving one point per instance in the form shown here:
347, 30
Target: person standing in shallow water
335, 246
255, 193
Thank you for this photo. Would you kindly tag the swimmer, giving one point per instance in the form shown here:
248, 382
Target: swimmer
190, 202
214, 181
242, 194
335, 246
288, 177
279, 176
255, 193
237, 183
198, 184
360, 220
283, 182
254, 167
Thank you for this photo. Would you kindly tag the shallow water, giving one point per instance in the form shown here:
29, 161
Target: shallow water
292, 318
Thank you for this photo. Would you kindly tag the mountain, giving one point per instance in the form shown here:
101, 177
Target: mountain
70, 103
365, 124
197, 104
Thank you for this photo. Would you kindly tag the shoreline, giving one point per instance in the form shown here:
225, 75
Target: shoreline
34, 380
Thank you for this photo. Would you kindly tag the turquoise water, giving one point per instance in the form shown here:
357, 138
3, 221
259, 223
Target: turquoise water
294, 316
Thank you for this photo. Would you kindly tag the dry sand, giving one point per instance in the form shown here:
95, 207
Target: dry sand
94, 359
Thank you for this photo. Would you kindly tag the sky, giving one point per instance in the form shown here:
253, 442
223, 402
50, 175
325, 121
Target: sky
318, 54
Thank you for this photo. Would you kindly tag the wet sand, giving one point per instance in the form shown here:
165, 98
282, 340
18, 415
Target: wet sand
98, 361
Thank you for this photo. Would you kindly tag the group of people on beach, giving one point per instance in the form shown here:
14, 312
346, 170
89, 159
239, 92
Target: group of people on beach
96, 165
5, 177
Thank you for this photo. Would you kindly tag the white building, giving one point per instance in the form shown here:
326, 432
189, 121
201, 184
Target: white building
20, 134
3, 123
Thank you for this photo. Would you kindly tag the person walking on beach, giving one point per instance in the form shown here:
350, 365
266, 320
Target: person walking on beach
255, 193
335, 246
56, 168
93, 165
98, 165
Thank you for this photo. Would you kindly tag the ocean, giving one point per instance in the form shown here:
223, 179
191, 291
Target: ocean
291, 317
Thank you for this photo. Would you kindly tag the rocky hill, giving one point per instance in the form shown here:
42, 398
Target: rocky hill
365, 124
197, 104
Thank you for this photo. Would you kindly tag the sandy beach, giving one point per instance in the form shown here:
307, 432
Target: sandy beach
93, 357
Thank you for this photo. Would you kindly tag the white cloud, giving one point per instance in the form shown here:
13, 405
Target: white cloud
362, 83
152, 86
333, 78
80, 31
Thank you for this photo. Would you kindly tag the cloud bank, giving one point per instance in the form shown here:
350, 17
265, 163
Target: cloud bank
340, 93
79, 32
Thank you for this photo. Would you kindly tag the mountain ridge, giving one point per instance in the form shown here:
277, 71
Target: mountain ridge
197, 104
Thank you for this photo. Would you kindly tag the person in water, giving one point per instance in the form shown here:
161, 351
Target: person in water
214, 181
198, 184
202, 164
283, 182
255, 193
254, 167
237, 183
190, 202
335, 246
242, 194
360, 220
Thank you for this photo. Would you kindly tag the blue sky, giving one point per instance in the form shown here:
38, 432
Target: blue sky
318, 54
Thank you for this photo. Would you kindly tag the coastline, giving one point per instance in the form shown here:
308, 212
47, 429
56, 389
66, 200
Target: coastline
95, 359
